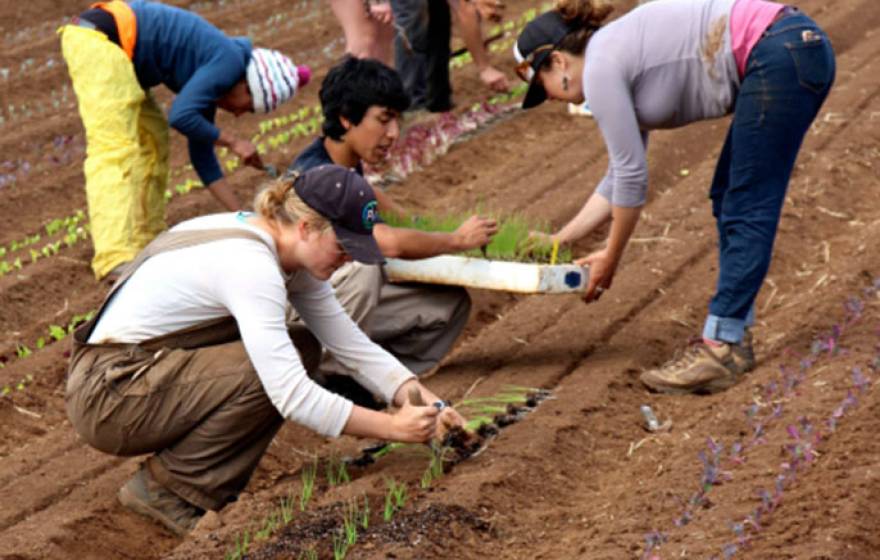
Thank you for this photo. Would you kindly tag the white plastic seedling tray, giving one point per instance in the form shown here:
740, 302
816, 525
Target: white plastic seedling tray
525, 278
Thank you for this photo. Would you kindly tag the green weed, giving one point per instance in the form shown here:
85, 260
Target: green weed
435, 465
309, 473
337, 472
350, 520
242, 545
395, 499
365, 514
270, 523
286, 506
340, 545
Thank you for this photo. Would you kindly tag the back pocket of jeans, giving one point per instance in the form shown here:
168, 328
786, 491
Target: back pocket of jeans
813, 60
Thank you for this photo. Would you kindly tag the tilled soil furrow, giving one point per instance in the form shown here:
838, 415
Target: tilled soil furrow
579, 507
565, 482
51, 482
38, 406
30, 456
46, 293
85, 520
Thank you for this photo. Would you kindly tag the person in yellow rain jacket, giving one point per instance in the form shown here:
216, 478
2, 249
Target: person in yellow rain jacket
116, 52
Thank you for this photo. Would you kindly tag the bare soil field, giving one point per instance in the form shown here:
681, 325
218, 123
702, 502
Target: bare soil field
782, 466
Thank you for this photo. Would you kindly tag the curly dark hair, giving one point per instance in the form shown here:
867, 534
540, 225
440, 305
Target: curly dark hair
353, 86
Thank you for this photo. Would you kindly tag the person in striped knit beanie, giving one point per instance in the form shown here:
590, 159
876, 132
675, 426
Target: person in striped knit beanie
272, 79
116, 52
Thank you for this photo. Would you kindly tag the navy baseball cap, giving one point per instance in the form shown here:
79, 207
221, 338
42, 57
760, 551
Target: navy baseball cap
346, 199
538, 39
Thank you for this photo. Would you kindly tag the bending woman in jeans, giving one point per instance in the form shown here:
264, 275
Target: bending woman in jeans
664, 65
189, 357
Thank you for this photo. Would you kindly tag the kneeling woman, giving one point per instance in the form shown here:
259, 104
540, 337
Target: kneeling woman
189, 357
664, 65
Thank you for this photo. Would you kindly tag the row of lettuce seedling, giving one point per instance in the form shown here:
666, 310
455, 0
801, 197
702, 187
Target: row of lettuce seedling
803, 436
61, 232
421, 145
55, 333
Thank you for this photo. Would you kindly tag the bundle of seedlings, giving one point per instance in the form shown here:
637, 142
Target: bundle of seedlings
517, 240
488, 416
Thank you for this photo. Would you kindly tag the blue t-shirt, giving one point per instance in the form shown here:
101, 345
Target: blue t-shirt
314, 155
196, 61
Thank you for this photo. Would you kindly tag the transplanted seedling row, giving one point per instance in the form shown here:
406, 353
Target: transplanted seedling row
492, 414
336, 473
355, 517
422, 145
54, 333
418, 150
718, 466
424, 142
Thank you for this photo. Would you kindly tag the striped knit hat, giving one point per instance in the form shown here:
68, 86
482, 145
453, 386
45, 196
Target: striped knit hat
273, 79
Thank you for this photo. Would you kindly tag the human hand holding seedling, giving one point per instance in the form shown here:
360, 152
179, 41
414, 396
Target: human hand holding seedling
413, 423
494, 79
602, 267
537, 243
246, 150
475, 232
448, 419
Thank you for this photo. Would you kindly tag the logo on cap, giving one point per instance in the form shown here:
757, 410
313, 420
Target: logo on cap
370, 215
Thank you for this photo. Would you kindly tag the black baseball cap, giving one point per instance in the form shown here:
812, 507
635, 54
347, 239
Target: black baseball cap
346, 199
538, 39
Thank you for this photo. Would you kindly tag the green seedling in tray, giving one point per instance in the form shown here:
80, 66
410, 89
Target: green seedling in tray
512, 242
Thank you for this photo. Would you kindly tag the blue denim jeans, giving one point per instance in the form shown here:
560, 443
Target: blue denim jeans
787, 78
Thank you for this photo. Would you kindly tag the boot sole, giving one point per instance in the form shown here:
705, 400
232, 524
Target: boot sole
128, 499
708, 388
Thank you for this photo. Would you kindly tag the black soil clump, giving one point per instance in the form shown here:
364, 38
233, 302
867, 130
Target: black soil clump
462, 443
504, 420
315, 530
487, 430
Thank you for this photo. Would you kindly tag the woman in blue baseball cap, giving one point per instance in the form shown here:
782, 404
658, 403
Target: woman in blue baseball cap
190, 359
664, 65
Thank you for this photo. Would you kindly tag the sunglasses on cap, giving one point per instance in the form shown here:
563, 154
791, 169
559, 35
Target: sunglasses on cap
524, 68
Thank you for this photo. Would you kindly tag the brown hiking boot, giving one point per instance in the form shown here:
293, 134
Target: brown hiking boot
703, 369
744, 354
147, 497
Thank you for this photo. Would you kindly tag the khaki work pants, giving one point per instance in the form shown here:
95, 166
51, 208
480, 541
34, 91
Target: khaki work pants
417, 323
202, 411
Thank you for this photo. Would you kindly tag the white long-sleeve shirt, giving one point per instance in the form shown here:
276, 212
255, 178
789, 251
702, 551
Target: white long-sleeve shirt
242, 278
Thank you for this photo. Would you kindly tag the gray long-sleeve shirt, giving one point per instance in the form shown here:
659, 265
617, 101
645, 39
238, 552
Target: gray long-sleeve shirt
663, 65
